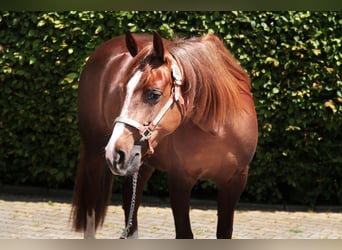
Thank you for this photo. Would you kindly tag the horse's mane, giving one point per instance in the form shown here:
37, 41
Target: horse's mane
213, 81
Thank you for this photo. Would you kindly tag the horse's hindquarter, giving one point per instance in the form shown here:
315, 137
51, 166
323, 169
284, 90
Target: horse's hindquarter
98, 95
94, 81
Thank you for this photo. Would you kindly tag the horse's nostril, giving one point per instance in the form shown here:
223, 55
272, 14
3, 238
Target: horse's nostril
119, 157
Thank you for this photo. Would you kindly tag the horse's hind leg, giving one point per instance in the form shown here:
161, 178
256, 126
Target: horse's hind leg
180, 191
91, 193
143, 176
228, 196
89, 232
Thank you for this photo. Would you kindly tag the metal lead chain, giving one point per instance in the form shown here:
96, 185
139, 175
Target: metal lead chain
125, 232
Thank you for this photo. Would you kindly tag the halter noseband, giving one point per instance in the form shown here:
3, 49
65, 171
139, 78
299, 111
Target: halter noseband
147, 130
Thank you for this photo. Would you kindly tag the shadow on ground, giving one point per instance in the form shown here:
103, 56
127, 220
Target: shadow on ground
37, 194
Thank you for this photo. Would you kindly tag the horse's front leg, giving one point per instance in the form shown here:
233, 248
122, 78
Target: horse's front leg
180, 187
228, 196
144, 175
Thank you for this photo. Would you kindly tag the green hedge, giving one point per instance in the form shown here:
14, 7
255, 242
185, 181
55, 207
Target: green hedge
293, 58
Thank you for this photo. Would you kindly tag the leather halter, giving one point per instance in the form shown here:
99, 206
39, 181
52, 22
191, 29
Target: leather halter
146, 131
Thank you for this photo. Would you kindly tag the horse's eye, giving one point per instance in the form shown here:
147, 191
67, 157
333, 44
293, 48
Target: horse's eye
153, 96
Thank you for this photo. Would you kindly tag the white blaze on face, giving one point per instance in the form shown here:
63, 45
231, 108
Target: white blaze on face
119, 127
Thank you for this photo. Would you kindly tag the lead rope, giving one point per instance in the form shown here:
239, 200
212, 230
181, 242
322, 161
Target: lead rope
125, 232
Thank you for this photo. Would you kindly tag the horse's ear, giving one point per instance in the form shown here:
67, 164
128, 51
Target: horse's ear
131, 44
158, 46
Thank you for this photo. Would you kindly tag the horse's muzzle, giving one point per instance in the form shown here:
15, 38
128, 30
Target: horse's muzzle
125, 163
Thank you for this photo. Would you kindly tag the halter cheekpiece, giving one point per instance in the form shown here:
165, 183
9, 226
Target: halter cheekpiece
146, 130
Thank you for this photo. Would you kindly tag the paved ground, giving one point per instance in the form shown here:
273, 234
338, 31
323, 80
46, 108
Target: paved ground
32, 217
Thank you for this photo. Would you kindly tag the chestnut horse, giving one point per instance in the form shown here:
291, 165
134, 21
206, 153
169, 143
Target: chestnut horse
184, 107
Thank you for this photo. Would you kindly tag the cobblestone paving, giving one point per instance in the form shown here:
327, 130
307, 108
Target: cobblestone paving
24, 217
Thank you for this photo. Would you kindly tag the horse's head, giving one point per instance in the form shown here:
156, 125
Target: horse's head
150, 109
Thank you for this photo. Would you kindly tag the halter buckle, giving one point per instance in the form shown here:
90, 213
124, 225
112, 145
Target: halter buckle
176, 74
146, 133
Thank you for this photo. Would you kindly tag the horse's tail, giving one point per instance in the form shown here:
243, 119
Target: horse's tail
92, 191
